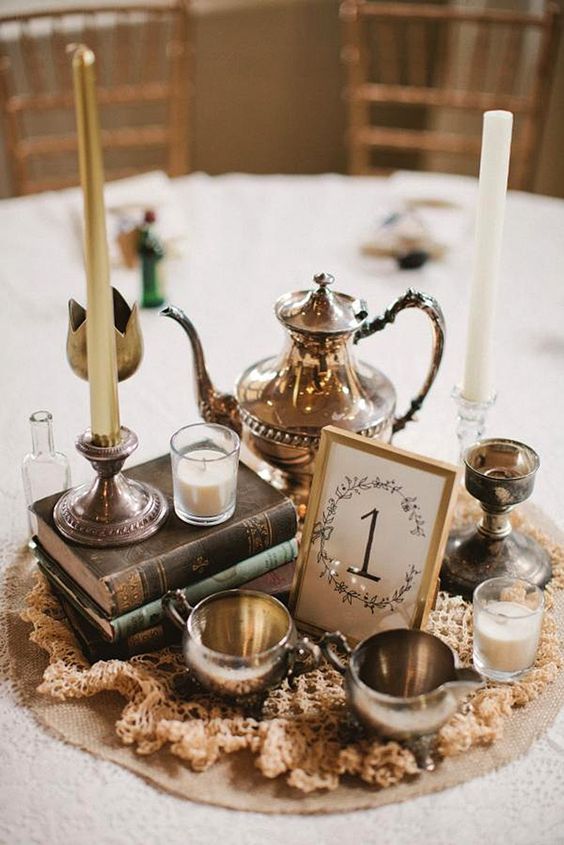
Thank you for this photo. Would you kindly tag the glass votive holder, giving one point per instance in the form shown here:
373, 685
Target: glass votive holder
205, 458
508, 616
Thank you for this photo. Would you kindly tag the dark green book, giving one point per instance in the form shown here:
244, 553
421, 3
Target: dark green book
94, 647
120, 579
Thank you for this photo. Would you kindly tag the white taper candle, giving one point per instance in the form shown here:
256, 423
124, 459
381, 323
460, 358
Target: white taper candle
478, 383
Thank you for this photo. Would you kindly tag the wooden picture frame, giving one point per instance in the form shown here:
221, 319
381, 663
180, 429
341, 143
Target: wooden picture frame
374, 537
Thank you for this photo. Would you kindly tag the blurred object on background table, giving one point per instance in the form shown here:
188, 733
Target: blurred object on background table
405, 237
425, 219
126, 202
447, 58
142, 91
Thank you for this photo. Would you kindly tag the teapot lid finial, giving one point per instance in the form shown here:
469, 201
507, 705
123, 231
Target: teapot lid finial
323, 279
321, 311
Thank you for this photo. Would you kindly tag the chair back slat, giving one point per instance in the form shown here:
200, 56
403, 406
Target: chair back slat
35, 76
59, 58
151, 38
90, 37
509, 60
143, 90
180, 59
477, 79
445, 49
123, 49
539, 92
388, 57
355, 57
416, 52
439, 57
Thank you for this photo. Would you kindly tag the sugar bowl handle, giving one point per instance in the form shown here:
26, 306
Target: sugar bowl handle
177, 607
306, 656
340, 641
412, 299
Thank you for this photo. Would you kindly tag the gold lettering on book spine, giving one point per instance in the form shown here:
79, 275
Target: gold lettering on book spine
129, 592
259, 533
200, 563
150, 637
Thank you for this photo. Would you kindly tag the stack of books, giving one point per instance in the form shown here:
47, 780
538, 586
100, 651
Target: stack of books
112, 597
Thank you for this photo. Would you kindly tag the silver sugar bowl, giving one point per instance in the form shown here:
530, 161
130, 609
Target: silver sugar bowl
240, 643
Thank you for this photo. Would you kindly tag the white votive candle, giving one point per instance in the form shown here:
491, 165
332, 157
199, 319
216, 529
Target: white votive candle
204, 483
507, 635
205, 460
508, 615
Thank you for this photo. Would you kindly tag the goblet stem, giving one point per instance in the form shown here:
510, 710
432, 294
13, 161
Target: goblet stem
494, 525
471, 420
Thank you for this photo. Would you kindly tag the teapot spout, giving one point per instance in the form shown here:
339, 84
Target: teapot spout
467, 681
214, 407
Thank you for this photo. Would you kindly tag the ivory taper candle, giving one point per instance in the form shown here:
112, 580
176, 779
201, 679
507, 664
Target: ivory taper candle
100, 335
478, 383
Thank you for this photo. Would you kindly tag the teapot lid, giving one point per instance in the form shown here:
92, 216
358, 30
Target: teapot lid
321, 311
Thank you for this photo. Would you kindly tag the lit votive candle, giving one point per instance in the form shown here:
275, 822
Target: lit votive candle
508, 616
205, 459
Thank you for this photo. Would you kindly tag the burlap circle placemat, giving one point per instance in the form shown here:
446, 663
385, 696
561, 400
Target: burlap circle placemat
234, 780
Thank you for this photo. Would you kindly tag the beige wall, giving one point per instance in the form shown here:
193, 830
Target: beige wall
268, 90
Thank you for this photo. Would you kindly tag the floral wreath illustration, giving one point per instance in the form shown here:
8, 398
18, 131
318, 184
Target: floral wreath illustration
323, 529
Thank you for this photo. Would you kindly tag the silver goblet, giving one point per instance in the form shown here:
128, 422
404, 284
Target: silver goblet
500, 473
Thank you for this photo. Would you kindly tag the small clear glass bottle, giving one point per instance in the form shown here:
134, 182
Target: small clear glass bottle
44, 471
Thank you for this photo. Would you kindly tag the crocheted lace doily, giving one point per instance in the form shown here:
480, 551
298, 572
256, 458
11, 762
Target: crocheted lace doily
304, 732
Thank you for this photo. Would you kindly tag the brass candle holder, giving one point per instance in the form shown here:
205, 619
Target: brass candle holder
500, 474
113, 510
104, 345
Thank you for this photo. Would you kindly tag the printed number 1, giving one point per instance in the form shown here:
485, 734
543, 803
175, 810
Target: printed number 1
364, 573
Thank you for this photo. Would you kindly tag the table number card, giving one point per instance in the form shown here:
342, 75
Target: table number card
374, 537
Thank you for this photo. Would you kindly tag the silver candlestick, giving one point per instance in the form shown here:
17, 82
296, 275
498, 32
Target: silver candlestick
113, 510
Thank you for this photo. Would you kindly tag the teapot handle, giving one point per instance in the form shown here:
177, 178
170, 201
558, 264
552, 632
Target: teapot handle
412, 299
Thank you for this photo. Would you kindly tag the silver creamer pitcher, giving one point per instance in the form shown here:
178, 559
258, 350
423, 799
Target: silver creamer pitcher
402, 684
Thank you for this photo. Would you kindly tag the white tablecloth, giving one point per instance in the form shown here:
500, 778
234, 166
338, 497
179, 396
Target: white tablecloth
250, 239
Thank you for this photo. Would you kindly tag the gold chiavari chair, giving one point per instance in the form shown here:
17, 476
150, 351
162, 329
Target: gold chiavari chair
447, 64
144, 86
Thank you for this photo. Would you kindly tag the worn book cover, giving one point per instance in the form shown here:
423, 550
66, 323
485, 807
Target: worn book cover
123, 578
94, 647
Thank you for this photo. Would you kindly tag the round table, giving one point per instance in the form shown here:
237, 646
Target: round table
248, 240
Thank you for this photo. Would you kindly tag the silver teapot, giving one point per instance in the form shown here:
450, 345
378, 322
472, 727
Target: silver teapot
281, 404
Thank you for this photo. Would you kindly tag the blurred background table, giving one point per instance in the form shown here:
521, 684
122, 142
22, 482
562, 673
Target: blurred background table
248, 240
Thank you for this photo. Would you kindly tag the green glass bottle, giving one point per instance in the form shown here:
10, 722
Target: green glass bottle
151, 253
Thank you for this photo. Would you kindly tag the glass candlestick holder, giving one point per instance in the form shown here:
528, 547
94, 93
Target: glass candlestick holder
471, 419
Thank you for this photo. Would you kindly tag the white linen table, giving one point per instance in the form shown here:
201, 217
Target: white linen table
250, 239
